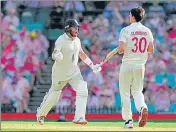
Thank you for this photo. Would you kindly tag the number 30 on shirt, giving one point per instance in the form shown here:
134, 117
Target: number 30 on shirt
140, 44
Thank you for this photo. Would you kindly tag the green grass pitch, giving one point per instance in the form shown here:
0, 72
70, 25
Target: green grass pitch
91, 126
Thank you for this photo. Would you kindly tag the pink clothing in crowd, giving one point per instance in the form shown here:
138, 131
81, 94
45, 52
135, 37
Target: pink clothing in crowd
4, 25
9, 91
44, 42
34, 45
23, 85
93, 101
173, 95
162, 100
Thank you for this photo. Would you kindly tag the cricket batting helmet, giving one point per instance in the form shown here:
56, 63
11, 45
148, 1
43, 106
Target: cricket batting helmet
70, 23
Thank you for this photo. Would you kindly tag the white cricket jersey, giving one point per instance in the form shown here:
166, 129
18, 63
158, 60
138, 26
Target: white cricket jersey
137, 38
67, 67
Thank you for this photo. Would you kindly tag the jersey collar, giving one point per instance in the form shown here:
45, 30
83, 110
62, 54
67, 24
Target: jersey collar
66, 36
136, 23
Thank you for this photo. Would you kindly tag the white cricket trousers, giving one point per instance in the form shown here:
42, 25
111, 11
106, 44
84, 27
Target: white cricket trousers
50, 99
131, 80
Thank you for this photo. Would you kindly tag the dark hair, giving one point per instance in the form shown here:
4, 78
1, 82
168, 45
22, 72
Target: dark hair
138, 13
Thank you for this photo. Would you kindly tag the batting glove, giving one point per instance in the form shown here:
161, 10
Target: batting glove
57, 56
96, 68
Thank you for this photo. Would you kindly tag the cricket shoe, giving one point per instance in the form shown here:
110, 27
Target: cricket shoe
128, 124
40, 120
143, 117
81, 121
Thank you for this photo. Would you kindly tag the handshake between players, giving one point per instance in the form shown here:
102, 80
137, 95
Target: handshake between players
135, 41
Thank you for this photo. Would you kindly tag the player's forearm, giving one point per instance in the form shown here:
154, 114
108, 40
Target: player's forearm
112, 53
85, 58
88, 62
151, 48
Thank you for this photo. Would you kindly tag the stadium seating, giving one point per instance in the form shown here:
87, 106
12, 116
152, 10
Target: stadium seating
42, 17
151, 108
54, 33
33, 11
171, 77
159, 77
172, 108
118, 100
35, 26
133, 107
7, 107
26, 20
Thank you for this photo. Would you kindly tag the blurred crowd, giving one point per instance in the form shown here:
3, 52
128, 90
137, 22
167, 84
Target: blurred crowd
25, 52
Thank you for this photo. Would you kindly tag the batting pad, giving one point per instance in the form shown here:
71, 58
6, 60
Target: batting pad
81, 100
49, 101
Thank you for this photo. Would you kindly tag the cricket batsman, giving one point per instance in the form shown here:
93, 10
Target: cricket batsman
136, 42
65, 70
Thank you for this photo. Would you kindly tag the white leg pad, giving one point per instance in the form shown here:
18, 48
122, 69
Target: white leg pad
81, 100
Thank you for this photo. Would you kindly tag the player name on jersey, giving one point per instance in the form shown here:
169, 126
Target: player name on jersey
138, 33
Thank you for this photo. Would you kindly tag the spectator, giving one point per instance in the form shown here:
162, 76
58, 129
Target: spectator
158, 64
172, 33
74, 5
24, 87
171, 65
148, 96
4, 24
170, 5
86, 26
34, 43
173, 95
55, 20
11, 18
44, 45
59, 3
107, 98
93, 98
174, 53
166, 54
6, 84
15, 95
31, 3
101, 21
89, 5
156, 7
161, 99
12, 4
44, 4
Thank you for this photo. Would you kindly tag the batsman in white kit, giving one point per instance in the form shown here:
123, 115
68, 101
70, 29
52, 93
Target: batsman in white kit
65, 70
136, 42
